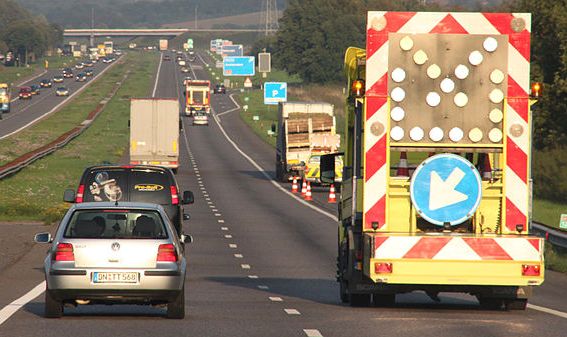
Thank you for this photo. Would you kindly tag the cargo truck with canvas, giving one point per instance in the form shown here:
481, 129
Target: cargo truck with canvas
450, 93
154, 132
304, 129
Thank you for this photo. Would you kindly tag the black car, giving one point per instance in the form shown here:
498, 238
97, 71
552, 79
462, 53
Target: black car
68, 73
45, 83
81, 77
138, 183
35, 89
220, 89
89, 72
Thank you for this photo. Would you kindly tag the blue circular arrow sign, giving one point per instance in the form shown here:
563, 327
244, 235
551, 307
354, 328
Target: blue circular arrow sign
446, 188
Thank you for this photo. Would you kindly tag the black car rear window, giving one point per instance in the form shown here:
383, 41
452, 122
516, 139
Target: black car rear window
150, 186
115, 224
106, 185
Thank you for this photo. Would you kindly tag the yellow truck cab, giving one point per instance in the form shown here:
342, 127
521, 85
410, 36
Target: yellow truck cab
4, 98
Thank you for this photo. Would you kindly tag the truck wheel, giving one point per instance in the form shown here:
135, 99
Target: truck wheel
344, 291
516, 304
489, 303
176, 309
53, 308
359, 300
383, 300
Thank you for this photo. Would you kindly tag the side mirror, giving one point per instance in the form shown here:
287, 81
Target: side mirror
69, 195
186, 216
188, 198
186, 238
327, 167
43, 238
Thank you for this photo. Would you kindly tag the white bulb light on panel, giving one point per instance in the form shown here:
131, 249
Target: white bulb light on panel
397, 114
416, 134
397, 133
398, 75
398, 94
436, 134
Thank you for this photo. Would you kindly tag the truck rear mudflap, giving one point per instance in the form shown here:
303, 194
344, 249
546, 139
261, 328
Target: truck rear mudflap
454, 259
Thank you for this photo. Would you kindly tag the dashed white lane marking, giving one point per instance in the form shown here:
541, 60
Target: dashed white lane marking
11, 308
263, 287
228, 236
312, 333
276, 299
208, 199
239, 256
253, 277
218, 214
233, 246
209, 202
220, 221
224, 228
547, 310
245, 266
214, 209
212, 206
292, 312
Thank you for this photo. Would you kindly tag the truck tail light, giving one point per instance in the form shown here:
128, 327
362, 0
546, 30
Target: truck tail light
166, 253
174, 195
64, 252
383, 268
531, 270
80, 192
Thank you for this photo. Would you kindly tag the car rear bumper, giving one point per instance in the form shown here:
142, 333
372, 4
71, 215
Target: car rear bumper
108, 296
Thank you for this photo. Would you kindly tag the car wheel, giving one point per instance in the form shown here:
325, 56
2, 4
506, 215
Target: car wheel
53, 308
176, 309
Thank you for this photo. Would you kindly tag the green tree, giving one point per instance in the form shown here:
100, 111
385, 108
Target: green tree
24, 38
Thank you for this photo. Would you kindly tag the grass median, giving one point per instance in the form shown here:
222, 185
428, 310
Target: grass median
36, 192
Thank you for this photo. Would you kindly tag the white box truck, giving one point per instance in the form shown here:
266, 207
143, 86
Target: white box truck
154, 132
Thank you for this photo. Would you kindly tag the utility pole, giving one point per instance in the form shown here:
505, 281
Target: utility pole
270, 17
91, 40
196, 8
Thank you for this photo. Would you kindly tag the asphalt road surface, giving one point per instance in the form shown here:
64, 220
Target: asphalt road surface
262, 264
25, 112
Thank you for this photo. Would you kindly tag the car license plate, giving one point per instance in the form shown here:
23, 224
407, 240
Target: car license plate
115, 277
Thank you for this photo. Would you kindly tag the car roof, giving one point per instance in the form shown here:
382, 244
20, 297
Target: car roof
116, 205
25, 88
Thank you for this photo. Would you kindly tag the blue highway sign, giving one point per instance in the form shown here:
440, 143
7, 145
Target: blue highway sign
275, 92
239, 66
446, 188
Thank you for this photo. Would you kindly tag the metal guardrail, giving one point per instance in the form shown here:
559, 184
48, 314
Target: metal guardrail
28, 158
555, 237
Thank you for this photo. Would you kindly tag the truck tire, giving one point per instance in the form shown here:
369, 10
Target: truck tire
176, 309
490, 303
383, 300
516, 304
53, 307
359, 300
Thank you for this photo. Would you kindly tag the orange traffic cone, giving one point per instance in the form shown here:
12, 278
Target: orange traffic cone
403, 170
294, 186
332, 196
308, 193
304, 188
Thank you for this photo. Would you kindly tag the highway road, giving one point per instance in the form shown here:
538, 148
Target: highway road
262, 264
25, 112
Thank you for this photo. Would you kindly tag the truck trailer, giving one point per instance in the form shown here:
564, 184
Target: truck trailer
304, 129
448, 94
154, 132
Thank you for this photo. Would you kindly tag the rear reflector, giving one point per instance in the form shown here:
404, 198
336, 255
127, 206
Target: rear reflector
383, 268
166, 253
80, 192
174, 196
64, 252
531, 269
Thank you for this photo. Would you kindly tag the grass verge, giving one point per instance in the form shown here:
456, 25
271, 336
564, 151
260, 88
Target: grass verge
548, 212
36, 192
556, 258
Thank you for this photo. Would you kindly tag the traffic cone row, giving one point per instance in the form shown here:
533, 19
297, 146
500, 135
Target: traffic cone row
308, 196
294, 186
332, 196
304, 188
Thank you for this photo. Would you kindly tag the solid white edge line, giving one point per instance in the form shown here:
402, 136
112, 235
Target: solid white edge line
157, 76
81, 89
548, 311
13, 307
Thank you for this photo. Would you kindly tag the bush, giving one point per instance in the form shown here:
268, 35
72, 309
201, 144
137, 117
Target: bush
550, 174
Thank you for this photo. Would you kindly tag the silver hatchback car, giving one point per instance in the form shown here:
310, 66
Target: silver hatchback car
115, 253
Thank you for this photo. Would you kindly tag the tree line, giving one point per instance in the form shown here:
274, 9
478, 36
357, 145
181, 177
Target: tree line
24, 34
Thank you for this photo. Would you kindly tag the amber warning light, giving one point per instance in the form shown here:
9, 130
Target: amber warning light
536, 90
358, 88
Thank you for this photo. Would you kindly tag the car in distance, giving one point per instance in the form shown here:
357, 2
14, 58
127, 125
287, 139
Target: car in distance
219, 89
62, 91
88, 63
184, 70
25, 93
115, 253
135, 183
68, 73
89, 72
81, 77
45, 83
200, 118
58, 79
166, 57
79, 65
35, 89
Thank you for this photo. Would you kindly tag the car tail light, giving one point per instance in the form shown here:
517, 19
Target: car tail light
166, 253
531, 269
80, 193
64, 252
383, 268
174, 195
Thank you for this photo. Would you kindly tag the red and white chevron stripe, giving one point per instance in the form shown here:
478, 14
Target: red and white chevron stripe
517, 144
458, 248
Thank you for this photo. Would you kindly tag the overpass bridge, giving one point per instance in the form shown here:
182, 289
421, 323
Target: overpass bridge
169, 32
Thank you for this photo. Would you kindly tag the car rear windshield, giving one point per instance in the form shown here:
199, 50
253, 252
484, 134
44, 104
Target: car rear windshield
115, 224
122, 184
